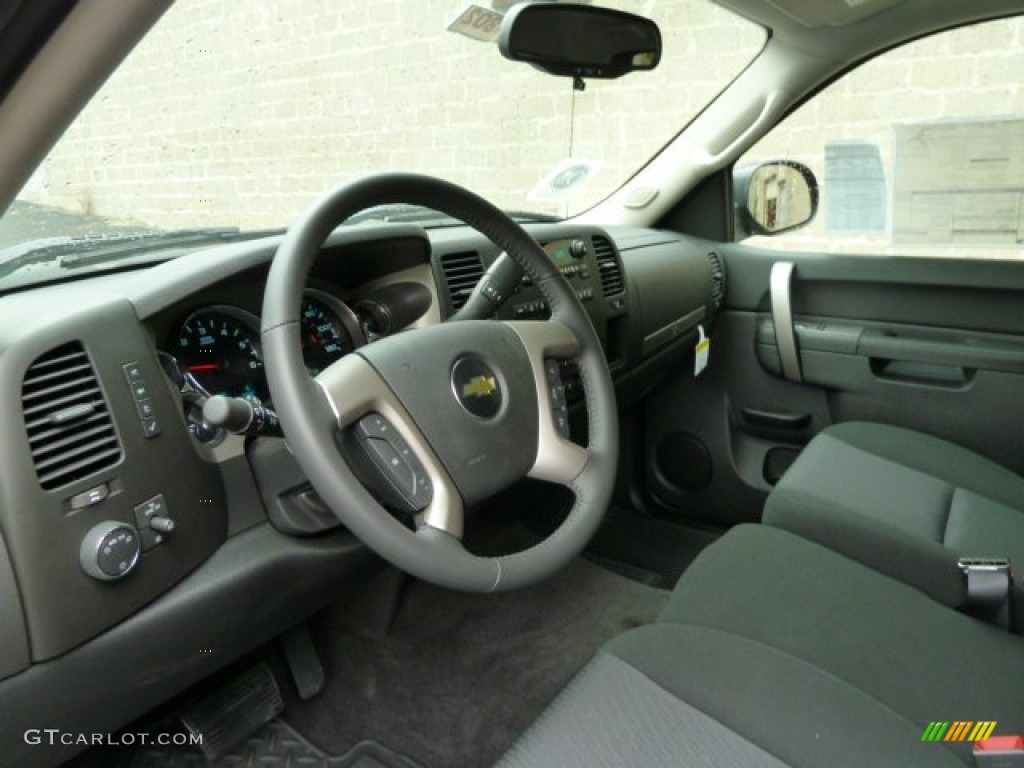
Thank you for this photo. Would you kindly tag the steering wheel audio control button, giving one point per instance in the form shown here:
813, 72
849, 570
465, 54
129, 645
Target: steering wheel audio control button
393, 458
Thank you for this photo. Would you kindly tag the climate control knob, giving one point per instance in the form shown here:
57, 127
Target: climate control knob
110, 550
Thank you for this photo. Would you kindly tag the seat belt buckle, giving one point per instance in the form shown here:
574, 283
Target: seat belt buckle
1000, 752
988, 585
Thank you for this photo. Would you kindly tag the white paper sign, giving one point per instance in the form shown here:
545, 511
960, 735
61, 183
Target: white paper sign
701, 352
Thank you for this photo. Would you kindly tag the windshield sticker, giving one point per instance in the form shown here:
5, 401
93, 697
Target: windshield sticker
567, 178
477, 23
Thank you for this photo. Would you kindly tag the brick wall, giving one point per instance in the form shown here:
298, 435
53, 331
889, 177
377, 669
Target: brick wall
270, 106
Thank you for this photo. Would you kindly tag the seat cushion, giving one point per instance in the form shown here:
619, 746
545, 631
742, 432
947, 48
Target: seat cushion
875, 634
776, 651
902, 502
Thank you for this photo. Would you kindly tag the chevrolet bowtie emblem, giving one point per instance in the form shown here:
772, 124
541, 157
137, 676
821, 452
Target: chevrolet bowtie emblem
480, 386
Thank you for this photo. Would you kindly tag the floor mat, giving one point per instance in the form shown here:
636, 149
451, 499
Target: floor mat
458, 677
656, 551
276, 745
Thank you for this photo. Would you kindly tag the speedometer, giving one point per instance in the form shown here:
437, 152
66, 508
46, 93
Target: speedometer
219, 346
326, 336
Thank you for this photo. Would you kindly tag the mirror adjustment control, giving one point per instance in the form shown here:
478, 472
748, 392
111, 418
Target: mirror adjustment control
154, 521
110, 550
161, 524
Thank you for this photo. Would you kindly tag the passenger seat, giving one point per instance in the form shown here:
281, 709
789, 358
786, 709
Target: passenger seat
904, 503
774, 651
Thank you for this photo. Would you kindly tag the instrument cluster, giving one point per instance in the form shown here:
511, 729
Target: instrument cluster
219, 345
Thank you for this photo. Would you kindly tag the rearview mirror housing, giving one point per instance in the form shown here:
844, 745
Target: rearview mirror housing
774, 197
579, 41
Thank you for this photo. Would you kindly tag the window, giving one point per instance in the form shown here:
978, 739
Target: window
919, 151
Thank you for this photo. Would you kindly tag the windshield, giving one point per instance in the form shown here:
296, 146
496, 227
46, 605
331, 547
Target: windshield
238, 115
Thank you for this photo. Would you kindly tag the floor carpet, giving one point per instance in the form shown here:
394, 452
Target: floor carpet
458, 677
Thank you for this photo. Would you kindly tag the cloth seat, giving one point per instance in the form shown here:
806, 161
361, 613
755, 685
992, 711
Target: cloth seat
776, 651
902, 502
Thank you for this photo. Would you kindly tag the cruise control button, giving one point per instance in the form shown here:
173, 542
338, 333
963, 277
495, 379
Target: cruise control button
562, 421
557, 393
553, 371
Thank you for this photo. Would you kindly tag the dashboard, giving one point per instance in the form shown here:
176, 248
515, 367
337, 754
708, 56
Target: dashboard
133, 535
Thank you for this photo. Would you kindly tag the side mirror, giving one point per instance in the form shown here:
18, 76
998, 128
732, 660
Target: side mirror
579, 40
774, 197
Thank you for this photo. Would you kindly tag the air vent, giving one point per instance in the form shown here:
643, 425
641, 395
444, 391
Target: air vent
717, 280
462, 271
70, 432
608, 266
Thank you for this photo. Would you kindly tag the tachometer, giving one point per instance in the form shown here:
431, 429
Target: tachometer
219, 346
326, 335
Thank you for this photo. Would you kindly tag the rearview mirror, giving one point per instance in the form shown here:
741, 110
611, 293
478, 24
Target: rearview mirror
774, 197
579, 40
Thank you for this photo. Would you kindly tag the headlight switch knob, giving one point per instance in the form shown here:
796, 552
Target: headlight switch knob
110, 550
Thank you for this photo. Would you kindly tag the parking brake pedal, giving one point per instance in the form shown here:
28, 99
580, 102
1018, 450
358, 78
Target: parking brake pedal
303, 661
234, 712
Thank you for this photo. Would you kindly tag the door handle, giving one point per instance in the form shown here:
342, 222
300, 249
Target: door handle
776, 419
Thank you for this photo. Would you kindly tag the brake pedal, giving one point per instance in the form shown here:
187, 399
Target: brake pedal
227, 717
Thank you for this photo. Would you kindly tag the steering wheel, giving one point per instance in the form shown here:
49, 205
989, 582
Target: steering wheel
470, 399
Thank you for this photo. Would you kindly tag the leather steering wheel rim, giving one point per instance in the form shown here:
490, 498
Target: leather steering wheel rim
312, 412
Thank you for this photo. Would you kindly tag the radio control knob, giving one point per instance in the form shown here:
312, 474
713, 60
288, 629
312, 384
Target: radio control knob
110, 550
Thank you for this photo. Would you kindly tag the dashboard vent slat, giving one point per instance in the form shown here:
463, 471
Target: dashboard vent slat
608, 266
71, 434
462, 271
717, 280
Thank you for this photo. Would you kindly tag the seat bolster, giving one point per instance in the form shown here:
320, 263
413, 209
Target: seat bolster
843, 477
914, 560
981, 527
933, 456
